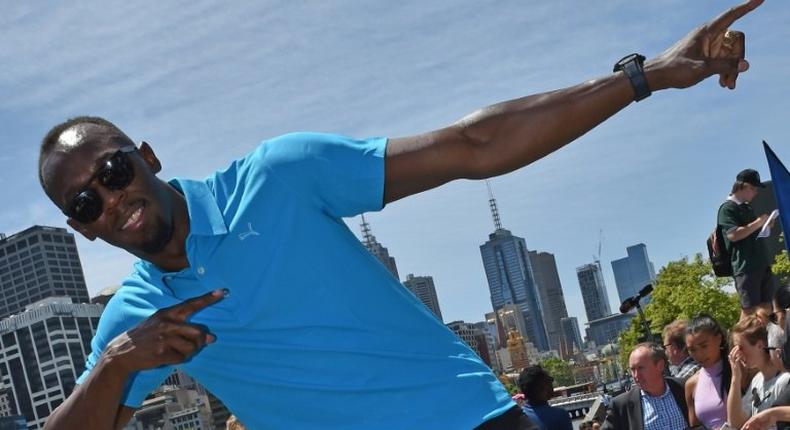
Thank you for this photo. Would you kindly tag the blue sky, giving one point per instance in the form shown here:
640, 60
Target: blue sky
204, 82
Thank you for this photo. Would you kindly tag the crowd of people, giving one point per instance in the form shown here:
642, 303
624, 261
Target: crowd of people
702, 376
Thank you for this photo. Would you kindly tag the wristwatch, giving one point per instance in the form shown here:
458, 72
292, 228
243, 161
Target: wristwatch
631, 65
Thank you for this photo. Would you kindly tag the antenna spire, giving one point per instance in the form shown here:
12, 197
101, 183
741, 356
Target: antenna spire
366, 234
492, 205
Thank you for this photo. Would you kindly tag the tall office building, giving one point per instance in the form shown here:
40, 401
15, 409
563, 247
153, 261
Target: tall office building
607, 329
489, 338
633, 272
377, 249
42, 353
423, 288
36, 263
596, 301
548, 281
571, 340
474, 337
173, 407
510, 279
493, 328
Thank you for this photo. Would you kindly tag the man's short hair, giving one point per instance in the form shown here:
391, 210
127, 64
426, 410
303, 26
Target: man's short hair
657, 353
675, 334
51, 139
531, 380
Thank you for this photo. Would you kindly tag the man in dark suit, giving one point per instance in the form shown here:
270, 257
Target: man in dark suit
655, 402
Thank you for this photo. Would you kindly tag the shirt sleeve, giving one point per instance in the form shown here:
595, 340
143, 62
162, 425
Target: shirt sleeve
728, 218
341, 175
116, 319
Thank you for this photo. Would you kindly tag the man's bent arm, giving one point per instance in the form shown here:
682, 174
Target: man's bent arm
96, 403
506, 136
166, 337
744, 231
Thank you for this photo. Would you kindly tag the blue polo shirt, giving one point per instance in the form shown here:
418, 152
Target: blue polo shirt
315, 332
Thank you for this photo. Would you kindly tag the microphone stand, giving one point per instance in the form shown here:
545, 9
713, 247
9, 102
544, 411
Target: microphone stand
647, 335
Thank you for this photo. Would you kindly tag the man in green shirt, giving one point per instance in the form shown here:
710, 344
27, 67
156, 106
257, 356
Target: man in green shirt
751, 266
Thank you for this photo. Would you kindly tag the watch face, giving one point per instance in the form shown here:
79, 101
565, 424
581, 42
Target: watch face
639, 59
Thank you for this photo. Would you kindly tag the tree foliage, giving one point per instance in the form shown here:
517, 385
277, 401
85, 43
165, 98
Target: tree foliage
509, 384
781, 267
559, 369
683, 289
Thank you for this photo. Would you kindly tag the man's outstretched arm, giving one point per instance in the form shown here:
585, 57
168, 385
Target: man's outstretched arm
166, 337
509, 135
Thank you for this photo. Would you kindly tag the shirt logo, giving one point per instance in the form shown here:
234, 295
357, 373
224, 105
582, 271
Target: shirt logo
249, 232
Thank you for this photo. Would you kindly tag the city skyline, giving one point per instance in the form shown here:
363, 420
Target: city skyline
204, 93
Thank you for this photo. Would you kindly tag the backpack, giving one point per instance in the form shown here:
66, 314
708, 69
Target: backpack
718, 252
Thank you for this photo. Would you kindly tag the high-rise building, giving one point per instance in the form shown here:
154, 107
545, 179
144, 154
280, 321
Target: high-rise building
173, 407
510, 279
596, 301
509, 317
423, 288
547, 280
633, 272
37, 263
377, 249
607, 329
571, 341
42, 353
492, 324
489, 338
474, 337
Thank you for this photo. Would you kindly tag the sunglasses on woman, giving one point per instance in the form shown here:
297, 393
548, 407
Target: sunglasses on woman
116, 173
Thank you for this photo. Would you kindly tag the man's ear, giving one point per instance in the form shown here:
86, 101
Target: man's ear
81, 229
150, 158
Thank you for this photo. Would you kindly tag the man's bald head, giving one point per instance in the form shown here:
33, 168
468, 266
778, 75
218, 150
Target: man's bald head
70, 135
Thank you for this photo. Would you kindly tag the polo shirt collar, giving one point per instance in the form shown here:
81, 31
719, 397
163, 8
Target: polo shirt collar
205, 218
734, 199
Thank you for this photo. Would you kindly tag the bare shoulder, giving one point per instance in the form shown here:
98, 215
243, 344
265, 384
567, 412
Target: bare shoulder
691, 383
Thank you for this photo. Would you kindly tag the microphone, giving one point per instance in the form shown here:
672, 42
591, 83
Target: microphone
629, 304
633, 302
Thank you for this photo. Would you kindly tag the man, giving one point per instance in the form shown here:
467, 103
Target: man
681, 365
228, 291
538, 387
751, 265
655, 402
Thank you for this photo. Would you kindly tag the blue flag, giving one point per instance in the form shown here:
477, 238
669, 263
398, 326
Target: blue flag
781, 180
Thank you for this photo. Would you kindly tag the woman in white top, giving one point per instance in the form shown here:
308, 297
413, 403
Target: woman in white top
751, 351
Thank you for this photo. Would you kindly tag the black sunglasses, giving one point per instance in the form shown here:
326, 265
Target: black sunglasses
114, 174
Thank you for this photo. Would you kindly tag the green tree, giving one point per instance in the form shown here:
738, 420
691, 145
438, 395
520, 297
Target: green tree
781, 267
559, 369
683, 288
509, 384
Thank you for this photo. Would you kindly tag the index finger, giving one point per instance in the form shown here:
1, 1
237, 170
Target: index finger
721, 22
190, 306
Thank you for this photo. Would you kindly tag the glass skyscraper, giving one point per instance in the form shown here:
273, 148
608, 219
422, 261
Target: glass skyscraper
548, 281
596, 301
633, 272
511, 281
